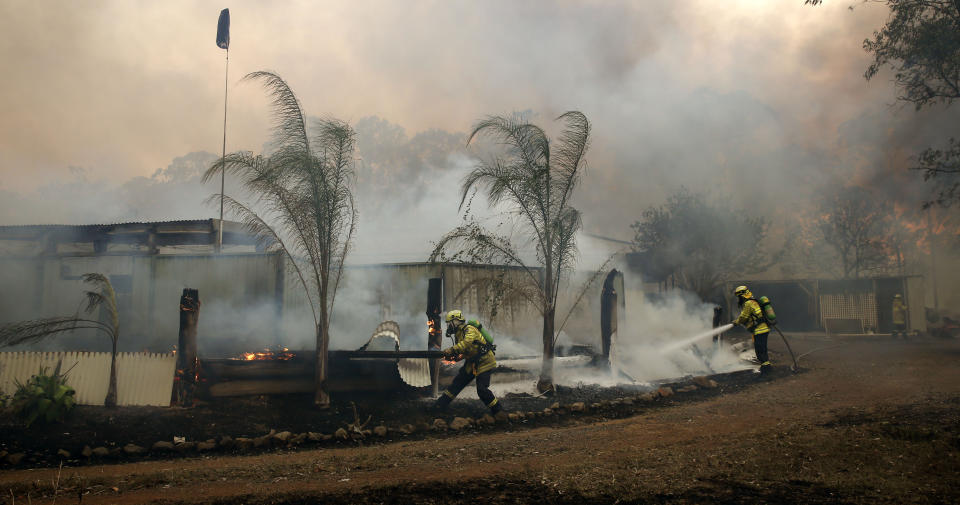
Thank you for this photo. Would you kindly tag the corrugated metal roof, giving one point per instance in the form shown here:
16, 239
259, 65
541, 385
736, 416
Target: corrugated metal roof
110, 225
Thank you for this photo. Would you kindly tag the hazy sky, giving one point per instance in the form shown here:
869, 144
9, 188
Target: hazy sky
764, 99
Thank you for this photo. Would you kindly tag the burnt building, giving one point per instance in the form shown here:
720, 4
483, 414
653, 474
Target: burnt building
250, 298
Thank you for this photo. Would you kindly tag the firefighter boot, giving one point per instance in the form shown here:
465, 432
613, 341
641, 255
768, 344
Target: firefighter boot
765, 369
443, 403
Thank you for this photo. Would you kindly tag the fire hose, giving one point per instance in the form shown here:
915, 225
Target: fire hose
795, 366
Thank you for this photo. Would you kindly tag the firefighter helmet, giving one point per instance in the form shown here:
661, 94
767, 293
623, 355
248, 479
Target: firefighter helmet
740, 291
454, 314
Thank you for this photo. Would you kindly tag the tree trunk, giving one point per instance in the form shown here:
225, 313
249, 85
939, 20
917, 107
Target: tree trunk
321, 398
111, 399
608, 315
434, 333
545, 383
185, 382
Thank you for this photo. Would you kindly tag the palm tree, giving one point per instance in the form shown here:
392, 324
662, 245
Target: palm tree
536, 178
103, 297
304, 188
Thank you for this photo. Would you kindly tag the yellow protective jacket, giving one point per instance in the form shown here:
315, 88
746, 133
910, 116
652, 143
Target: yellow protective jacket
469, 343
751, 317
899, 312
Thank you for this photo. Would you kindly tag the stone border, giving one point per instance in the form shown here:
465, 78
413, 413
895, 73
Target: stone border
288, 440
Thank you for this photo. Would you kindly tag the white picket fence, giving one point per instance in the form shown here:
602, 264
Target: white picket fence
142, 378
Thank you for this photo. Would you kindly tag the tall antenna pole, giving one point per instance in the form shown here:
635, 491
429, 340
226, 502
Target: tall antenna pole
223, 42
223, 157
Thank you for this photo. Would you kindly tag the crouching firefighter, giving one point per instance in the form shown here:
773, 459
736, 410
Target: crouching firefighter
471, 346
752, 318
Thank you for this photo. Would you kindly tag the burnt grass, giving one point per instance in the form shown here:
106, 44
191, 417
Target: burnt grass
717, 491
257, 416
931, 428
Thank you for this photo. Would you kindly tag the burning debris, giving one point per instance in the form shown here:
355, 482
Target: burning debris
281, 354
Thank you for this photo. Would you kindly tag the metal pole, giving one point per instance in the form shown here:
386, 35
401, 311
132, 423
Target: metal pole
223, 157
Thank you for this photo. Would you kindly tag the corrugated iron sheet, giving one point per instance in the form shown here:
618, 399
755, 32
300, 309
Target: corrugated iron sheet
142, 378
414, 371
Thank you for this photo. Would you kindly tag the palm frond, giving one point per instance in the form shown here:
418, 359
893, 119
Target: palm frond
290, 127
37, 330
499, 290
104, 297
266, 235
569, 155
470, 243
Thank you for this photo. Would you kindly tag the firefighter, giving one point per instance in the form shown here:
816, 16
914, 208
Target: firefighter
899, 316
751, 318
480, 362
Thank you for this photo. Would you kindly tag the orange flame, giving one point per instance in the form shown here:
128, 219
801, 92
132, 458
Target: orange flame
283, 354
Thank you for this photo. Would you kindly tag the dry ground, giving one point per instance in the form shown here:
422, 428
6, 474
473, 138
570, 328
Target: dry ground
873, 421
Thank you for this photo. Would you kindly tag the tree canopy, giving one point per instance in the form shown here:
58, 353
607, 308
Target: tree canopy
857, 225
700, 244
920, 44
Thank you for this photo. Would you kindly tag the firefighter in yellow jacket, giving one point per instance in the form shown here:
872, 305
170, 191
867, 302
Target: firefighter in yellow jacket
899, 314
480, 362
751, 318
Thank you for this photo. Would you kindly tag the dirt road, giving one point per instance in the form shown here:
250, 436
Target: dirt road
869, 422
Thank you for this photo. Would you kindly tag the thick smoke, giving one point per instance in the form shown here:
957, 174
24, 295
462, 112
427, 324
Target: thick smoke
645, 347
764, 105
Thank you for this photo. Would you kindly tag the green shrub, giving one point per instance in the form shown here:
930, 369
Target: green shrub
44, 397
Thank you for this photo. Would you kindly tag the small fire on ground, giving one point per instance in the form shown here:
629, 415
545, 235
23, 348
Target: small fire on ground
281, 354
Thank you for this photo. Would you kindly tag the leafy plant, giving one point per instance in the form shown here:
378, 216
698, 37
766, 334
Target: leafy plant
44, 397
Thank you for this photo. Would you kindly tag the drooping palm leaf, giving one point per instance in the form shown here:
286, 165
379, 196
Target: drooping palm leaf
37, 330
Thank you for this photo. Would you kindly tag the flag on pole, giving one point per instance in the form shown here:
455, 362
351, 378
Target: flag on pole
223, 30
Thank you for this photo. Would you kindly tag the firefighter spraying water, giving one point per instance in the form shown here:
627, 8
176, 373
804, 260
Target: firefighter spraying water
758, 316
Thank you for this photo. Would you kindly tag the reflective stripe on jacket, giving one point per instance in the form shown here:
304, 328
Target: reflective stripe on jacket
469, 344
751, 317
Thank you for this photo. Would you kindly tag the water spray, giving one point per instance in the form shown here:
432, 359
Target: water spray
676, 346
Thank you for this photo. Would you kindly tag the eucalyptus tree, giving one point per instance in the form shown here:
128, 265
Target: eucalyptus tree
535, 178
857, 225
101, 298
302, 202
920, 44
700, 244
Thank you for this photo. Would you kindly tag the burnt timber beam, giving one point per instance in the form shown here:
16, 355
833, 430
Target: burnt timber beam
390, 354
